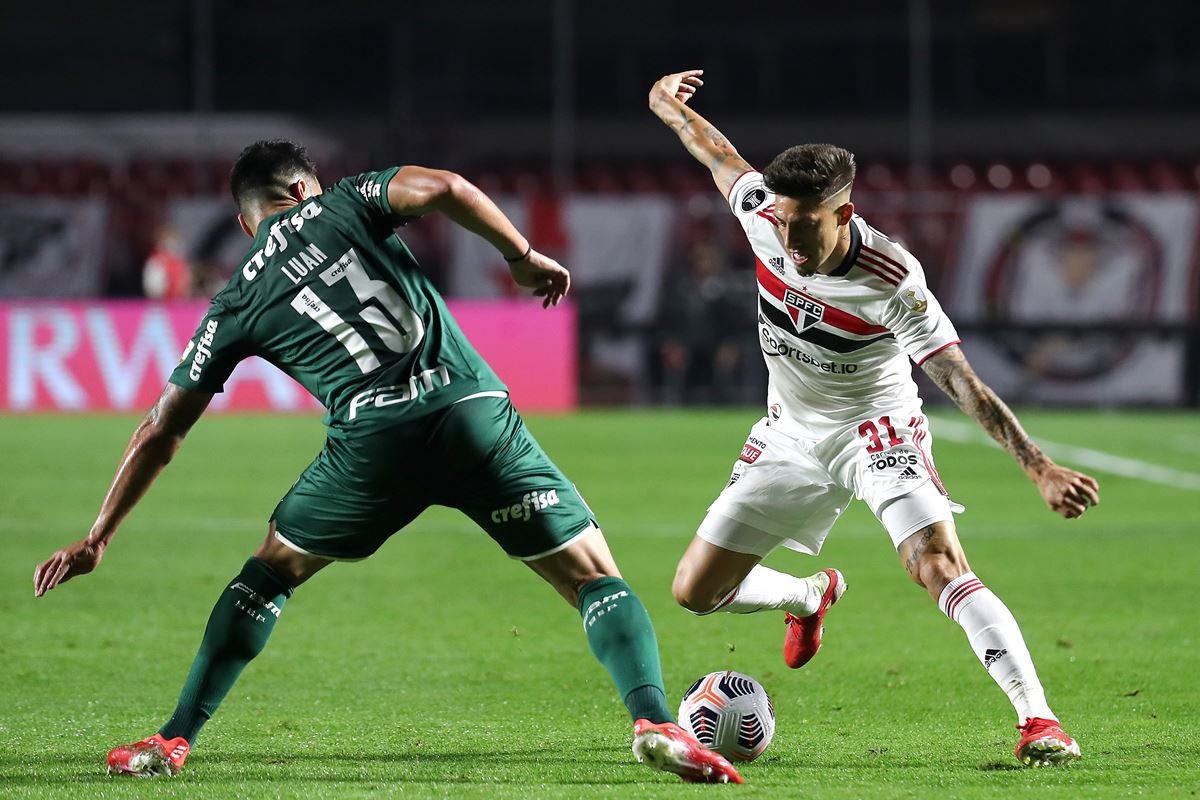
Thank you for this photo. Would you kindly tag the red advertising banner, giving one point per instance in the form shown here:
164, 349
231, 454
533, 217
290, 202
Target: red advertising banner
116, 356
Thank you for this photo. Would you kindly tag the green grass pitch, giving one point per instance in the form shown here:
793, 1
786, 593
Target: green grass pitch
439, 668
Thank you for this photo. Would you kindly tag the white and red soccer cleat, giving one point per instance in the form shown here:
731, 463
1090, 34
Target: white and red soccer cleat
666, 746
149, 758
803, 638
1045, 744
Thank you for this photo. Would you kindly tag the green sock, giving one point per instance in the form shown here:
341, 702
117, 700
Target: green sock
621, 636
238, 628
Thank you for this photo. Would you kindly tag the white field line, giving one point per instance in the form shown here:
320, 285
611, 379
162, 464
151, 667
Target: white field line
1074, 455
951, 429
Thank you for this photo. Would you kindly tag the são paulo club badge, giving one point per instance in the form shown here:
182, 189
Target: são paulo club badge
805, 311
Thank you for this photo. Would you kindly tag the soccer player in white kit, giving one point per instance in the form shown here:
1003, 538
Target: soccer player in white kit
841, 311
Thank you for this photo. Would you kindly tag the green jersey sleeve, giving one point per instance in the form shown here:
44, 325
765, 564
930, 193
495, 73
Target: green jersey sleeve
369, 190
215, 349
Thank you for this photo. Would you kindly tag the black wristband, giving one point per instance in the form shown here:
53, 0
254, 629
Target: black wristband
521, 257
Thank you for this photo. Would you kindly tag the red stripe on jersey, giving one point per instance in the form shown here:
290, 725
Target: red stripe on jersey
876, 272
883, 267
886, 259
834, 317
928, 356
768, 214
848, 322
769, 280
919, 437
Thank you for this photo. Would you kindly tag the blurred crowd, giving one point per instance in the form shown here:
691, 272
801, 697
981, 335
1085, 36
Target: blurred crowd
677, 327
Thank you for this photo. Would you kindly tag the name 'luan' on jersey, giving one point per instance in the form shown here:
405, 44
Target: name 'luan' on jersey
837, 346
330, 295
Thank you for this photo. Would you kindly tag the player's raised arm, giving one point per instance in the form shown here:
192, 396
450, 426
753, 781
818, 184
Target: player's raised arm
1067, 492
150, 449
414, 191
668, 99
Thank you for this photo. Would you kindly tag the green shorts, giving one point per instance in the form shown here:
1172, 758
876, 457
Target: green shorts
476, 456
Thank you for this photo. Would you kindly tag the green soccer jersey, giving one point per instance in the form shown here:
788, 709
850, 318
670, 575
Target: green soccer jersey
330, 295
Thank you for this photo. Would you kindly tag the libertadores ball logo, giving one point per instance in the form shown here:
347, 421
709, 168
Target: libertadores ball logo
753, 199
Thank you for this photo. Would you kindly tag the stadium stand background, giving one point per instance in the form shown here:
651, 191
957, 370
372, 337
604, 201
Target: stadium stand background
1038, 157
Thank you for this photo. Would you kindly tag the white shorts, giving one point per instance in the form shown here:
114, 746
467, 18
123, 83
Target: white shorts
789, 491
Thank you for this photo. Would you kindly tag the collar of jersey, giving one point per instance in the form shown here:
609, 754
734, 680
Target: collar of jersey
264, 225
852, 253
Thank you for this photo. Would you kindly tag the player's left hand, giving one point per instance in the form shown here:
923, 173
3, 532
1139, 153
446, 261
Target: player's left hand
1067, 492
76, 559
549, 279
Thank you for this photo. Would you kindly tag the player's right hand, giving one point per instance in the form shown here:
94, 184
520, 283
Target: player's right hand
678, 85
77, 559
1067, 492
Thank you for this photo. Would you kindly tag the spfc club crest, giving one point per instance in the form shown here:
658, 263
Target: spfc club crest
805, 311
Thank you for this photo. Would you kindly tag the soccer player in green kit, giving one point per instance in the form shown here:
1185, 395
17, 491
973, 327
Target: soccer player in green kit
330, 294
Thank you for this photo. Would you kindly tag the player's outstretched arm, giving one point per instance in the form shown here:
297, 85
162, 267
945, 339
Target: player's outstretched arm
150, 449
1066, 491
414, 191
668, 99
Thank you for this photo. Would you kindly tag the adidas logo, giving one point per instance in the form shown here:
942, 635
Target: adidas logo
908, 474
777, 264
991, 656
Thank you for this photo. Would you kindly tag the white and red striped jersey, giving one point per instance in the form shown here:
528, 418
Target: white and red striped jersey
837, 346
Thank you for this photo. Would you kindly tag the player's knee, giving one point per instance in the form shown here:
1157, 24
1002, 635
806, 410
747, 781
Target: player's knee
691, 596
934, 570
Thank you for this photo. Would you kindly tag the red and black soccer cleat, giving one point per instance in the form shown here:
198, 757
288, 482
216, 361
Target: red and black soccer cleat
803, 638
666, 746
1045, 744
149, 758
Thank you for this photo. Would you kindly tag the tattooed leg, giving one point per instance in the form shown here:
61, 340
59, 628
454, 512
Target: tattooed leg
933, 557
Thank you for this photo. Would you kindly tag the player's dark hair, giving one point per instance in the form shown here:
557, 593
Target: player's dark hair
263, 171
810, 171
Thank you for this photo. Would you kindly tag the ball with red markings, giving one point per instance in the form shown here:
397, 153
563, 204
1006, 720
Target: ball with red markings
730, 713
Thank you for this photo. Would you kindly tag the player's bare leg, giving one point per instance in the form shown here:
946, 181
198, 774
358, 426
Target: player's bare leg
622, 638
934, 559
238, 629
708, 576
712, 578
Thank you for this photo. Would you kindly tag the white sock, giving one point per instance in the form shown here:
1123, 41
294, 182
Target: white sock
997, 642
768, 590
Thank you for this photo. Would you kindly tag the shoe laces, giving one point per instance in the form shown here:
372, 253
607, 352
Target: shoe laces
1036, 723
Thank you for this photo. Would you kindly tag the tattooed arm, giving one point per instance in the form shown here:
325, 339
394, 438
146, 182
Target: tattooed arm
668, 99
1066, 491
150, 449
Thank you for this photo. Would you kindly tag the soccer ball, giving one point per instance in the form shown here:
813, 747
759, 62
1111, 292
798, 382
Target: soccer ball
729, 712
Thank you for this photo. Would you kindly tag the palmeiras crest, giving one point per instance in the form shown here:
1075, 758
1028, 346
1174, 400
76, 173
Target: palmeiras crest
805, 311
